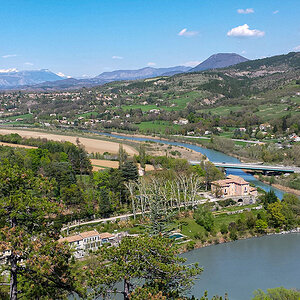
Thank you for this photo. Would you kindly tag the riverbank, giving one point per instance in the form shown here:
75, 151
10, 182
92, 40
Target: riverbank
280, 187
223, 241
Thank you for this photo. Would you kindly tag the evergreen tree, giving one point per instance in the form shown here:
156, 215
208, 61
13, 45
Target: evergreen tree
130, 171
37, 264
105, 206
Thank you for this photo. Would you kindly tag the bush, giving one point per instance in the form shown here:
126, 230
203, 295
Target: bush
204, 217
233, 235
224, 229
190, 245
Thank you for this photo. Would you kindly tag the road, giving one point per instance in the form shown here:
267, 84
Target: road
126, 216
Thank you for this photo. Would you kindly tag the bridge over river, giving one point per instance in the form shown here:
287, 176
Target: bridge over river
254, 167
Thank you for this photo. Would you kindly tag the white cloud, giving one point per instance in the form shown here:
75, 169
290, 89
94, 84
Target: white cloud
8, 70
245, 11
63, 75
117, 57
28, 64
192, 63
243, 52
297, 48
275, 12
244, 31
186, 33
9, 55
151, 64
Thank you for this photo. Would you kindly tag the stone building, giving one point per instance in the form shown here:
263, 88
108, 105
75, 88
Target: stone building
234, 187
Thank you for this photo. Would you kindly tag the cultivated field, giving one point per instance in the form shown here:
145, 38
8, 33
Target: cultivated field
99, 164
91, 145
17, 145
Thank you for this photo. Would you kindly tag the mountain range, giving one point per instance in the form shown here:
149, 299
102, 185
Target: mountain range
47, 80
13, 78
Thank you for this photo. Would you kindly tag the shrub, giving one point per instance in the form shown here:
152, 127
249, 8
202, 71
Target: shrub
233, 235
224, 229
190, 245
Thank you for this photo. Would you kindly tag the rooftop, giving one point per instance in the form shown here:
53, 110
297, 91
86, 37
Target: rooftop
230, 179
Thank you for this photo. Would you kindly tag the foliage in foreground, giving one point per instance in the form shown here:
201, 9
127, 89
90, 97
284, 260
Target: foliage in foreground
278, 293
38, 266
140, 262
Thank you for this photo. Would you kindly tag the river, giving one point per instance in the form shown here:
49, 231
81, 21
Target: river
243, 266
212, 155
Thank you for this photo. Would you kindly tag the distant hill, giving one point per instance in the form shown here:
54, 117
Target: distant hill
118, 75
219, 60
141, 73
13, 78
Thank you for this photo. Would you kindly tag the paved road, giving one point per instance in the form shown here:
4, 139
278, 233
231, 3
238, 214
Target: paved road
123, 217
79, 223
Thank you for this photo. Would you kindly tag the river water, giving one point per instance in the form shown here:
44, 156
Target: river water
243, 266
212, 155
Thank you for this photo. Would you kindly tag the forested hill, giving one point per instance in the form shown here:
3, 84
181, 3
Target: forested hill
288, 61
243, 79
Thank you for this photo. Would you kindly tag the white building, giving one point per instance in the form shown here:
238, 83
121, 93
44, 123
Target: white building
87, 241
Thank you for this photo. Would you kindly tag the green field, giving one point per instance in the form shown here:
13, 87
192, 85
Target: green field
88, 114
158, 126
25, 116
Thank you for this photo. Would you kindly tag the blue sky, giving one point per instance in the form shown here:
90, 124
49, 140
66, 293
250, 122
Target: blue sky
87, 37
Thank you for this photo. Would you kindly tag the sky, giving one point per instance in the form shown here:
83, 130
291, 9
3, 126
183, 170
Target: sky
82, 38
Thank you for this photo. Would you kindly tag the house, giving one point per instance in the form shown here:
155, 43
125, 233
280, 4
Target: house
234, 187
182, 121
294, 138
264, 127
87, 241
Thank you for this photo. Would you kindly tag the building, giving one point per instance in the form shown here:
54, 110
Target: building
87, 241
234, 187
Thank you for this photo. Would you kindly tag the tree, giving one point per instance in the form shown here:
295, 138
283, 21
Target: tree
204, 217
223, 228
275, 214
211, 173
261, 225
276, 294
293, 202
269, 197
150, 262
142, 156
122, 155
129, 171
72, 195
105, 206
28, 232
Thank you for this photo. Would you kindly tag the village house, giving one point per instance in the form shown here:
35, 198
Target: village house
234, 187
264, 127
87, 241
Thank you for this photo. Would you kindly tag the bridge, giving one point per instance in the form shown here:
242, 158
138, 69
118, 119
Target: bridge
253, 167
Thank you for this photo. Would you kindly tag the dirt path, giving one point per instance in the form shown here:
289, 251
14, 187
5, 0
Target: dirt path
91, 145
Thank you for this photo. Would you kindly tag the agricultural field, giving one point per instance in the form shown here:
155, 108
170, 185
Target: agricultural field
158, 126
